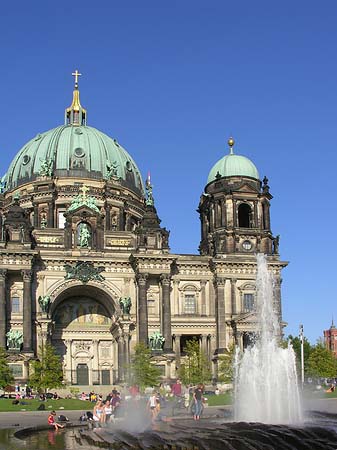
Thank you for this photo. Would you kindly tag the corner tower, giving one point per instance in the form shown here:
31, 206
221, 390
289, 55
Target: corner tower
234, 209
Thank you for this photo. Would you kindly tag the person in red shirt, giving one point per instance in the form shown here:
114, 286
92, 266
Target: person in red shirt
176, 389
51, 421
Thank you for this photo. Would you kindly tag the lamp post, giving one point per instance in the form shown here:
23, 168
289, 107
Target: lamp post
302, 354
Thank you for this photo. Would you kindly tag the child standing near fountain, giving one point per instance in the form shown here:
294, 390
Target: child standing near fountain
197, 396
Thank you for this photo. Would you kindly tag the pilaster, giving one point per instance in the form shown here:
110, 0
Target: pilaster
167, 333
220, 314
142, 308
27, 310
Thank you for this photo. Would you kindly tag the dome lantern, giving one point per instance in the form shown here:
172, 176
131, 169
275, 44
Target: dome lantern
76, 115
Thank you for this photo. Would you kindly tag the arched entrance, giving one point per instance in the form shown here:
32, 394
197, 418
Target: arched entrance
82, 317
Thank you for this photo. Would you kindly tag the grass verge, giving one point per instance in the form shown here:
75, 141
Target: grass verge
32, 405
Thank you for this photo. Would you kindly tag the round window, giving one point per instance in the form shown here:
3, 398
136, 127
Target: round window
128, 165
79, 152
25, 160
247, 245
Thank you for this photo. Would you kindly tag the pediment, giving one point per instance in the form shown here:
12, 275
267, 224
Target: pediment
246, 317
246, 187
84, 211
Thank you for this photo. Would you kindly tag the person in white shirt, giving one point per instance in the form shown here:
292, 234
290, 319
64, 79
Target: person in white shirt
152, 405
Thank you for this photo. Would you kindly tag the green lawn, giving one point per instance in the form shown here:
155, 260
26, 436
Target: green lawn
218, 400
32, 405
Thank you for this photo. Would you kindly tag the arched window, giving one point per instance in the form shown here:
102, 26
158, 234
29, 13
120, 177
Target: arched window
244, 214
247, 293
189, 296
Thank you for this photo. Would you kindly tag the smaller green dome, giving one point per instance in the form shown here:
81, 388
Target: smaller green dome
233, 165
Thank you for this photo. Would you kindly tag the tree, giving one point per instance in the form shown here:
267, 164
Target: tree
322, 362
142, 371
195, 368
226, 365
6, 376
307, 348
47, 371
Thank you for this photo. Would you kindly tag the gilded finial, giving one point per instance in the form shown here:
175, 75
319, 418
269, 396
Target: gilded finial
76, 115
231, 143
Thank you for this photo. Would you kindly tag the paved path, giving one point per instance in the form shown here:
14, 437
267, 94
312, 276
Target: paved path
23, 419
32, 418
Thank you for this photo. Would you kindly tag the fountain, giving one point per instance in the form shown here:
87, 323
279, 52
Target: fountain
266, 388
267, 405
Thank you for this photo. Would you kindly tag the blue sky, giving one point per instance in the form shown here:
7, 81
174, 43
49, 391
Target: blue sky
172, 81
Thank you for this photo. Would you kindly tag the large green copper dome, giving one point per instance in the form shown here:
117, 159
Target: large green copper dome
233, 165
74, 151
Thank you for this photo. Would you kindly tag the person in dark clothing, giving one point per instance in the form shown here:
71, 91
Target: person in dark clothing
197, 396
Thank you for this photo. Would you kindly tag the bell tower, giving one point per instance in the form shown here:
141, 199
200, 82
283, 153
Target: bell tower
235, 209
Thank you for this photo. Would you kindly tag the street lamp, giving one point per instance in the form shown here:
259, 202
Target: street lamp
302, 354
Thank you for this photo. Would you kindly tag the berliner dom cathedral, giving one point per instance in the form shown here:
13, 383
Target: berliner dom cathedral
85, 262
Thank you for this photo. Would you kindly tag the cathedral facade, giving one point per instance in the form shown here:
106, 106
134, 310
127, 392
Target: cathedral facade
86, 265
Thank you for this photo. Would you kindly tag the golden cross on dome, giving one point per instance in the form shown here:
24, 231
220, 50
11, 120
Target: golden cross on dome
76, 74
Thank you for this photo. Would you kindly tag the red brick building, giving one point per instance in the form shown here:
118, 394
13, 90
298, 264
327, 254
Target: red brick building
330, 339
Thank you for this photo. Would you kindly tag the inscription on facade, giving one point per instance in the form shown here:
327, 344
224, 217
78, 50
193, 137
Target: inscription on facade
49, 239
120, 242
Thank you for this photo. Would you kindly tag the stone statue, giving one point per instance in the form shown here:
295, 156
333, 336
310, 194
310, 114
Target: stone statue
44, 302
14, 339
43, 221
112, 170
84, 236
156, 341
276, 243
149, 194
46, 169
125, 304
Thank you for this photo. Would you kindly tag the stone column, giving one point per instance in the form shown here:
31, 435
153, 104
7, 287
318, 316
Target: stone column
277, 298
255, 223
235, 217
108, 217
223, 213
27, 310
167, 332
233, 295
120, 358
3, 308
51, 214
95, 362
69, 372
176, 296
203, 297
36, 215
220, 314
126, 352
177, 349
203, 339
142, 308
